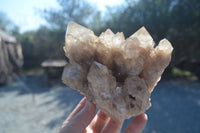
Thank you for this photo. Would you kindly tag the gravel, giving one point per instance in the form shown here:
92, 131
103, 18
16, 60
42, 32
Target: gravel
34, 105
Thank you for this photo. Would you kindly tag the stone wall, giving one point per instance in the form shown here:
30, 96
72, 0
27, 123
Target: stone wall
11, 58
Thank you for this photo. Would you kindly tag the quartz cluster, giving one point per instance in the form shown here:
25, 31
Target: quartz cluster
116, 74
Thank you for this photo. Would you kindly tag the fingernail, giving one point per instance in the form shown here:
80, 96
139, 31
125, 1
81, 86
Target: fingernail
145, 116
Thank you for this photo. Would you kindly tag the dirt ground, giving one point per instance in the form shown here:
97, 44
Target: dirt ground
33, 104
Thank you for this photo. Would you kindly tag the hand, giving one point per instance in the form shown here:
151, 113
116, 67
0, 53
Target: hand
83, 120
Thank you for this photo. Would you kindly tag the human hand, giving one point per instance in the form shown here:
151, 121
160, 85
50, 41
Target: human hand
83, 120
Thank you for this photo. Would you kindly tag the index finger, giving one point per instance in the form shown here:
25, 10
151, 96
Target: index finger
79, 119
78, 108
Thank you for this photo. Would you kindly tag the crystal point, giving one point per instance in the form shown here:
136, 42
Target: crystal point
116, 74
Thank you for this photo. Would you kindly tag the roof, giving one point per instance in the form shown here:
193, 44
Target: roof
53, 63
7, 38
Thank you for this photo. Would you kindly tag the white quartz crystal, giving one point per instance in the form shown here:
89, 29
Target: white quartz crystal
116, 74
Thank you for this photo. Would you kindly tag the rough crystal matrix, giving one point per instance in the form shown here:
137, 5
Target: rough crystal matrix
117, 75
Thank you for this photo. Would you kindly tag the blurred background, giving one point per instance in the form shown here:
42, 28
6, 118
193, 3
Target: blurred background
32, 97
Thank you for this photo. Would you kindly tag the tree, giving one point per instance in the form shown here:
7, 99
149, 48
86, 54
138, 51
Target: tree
176, 20
48, 41
70, 10
8, 26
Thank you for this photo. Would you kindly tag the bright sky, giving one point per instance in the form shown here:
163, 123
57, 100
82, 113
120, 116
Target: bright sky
24, 13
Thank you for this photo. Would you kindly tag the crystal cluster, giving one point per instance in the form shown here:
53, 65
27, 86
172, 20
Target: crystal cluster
116, 74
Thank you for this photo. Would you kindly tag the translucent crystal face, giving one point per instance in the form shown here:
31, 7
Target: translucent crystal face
117, 75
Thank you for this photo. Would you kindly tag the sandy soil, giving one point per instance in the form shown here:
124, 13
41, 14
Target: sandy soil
32, 104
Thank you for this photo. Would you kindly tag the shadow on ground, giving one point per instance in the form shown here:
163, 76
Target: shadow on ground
28, 84
175, 108
175, 104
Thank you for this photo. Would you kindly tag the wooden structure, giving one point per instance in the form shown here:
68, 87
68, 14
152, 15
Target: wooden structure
11, 58
53, 68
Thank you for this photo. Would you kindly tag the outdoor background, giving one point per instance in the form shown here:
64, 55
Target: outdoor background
33, 102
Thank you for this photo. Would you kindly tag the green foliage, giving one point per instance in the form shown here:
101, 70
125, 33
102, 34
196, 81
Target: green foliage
3, 21
183, 74
41, 45
47, 42
8, 26
177, 20
179, 72
70, 10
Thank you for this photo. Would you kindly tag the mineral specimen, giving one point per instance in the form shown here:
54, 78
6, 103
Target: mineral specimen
117, 75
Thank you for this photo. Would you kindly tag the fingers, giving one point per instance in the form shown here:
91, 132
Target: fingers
98, 122
137, 125
80, 118
80, 106
85, 116
113, 126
